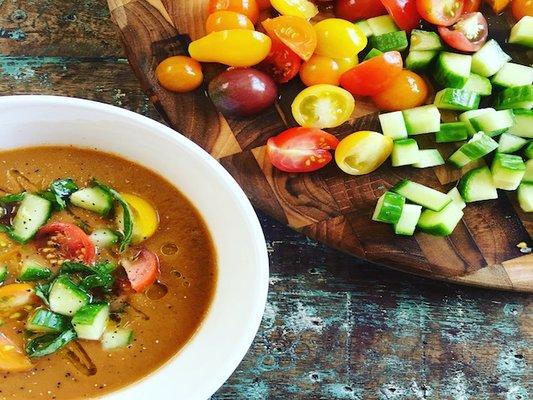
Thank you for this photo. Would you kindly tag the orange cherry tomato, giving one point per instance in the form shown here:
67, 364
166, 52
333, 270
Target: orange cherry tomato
320, 69
12, 357
440, 12
521, 8
179, 74
263, 4
223, 20
471, 6
498, 5
406, 90
246, 7
295, 32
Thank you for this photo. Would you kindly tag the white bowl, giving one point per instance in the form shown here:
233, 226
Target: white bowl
225, 335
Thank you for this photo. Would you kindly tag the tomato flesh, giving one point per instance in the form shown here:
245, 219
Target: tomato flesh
363, 152
71, 242
142, 270
404, 13
406, 90
521, 8
12, 357
468, 34
471, 6
15, 296
301, 149
296, 33
353, 10
440, 12
282, 64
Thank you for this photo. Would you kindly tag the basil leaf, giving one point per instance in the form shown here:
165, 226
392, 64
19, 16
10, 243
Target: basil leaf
12, 198
105, 267
48, 344
42, 291
61, 190
71, 267
103, 281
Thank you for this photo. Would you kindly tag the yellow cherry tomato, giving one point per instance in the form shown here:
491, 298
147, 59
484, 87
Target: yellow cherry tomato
362, 152
179, 74
320, 69
224, 20
322, 106
15, 296
338, 38
347, 63
234, 47
145, 217
12, 357
297, 8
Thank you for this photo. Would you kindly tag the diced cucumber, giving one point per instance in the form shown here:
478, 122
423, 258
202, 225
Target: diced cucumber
465, 117
528, 176
457, 198
372, 53
93, 199
457, 99
452, 69
65, 297
452, 132
489, 59
389, 208
33, 270
478, 84
4, 273
33, 212
404, 152
393, 125
90, 321
389, 41
515, 97
408, 220
522, 32
428, 158
512, 74
365, 27
507, 171
523, 125
422, 195
479, 146
104, 238
493, 123
510, 143
381, 25
525, 196
441, 223
420, 59
424, 40
477, 185
528, 152
423, 119
117, 338
45, 321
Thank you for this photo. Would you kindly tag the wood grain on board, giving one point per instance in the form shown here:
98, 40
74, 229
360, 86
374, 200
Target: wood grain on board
327, 205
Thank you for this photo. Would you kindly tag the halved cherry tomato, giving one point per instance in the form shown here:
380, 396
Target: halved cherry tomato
223, 20
142, 269
320, 69
406, 90
362, 152
263, 4
282, 64
404, 13
469, 33
15, 296
471, 6
73, 244
301, 149
322, 106
144, 215
498, 5
338, 38
246, 7
353, 10
12, 357
521, 8
372, 76
179, 74
440, 12
295, 32
297, 8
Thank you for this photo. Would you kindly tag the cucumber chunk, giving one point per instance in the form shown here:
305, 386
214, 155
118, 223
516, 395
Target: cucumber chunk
33, 213
104, 238
422, 195
428, 158
381, 25
365, 27
525, 196
90, 321
389, 208
372, 53
4, 273
512, 74
522, 32
404, 152
457, 198
489, 59
528, 176
510, 143
406, 225
477, 185
479, 146
507, 171
33, 270
457, 99
452, 132
493, 123
465, 117
45, 321
117, 338
424, 40
528, 152
389, 41
393, 125
452, 70
419, 59
423, 119
93, 199
441, 223
478, 84
515, 97
65, 297
523, 123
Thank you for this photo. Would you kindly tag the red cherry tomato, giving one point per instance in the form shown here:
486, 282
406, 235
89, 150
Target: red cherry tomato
372, 76
73, 243
301, 149
403, 12
521, 8
142, 270
440, 12
282, 64
353, 10
469, 33
471, 6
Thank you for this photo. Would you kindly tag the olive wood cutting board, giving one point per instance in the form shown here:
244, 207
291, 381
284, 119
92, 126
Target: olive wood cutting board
328, 205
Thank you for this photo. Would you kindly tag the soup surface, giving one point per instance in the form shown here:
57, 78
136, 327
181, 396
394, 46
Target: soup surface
151, 312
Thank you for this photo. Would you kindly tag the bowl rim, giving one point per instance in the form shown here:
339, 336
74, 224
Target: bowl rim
251, 324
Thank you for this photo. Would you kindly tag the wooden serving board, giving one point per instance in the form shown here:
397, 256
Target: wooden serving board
327, 205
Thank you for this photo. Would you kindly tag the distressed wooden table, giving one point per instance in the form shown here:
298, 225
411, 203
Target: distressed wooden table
334, 327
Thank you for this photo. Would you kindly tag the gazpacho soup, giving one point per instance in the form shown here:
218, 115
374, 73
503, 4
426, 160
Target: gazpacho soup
106, 271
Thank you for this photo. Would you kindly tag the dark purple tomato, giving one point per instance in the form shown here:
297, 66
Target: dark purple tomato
242, 91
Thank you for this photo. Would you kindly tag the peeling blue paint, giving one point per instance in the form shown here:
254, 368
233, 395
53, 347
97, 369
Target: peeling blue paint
13, 34
342, 391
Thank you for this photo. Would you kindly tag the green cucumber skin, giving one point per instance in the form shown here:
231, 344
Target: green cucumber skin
521, 32
390, 41
452, 132
413, 116
525, 197
420, 59
447, 77
469, 179
479, 84
523, 123
507, 171
31, 271
46, 321
510, 143
515, 97
391, 208
457, 99
429, 158
404, 185
4, 273
491, 49
449, 217
20, 231
373, 53
528, 152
